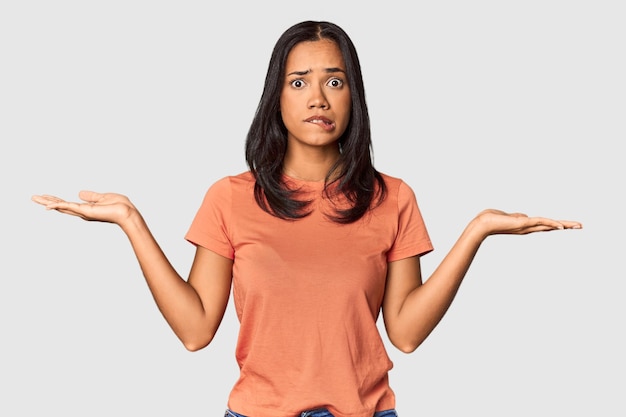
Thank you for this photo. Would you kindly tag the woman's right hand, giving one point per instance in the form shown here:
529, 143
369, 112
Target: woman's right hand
107, 207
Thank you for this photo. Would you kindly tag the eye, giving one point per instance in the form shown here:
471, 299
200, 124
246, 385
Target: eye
335, 82
297, 83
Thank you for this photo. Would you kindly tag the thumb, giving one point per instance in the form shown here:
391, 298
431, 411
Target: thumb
89, 196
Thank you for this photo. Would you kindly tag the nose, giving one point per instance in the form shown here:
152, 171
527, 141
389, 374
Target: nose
318, 98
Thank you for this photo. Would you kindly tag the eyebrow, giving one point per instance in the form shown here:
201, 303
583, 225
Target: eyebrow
326, 70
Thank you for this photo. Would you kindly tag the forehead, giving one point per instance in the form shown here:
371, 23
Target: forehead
310, 55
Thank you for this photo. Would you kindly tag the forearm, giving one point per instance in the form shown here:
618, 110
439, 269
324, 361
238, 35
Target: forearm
177, 300
426, 305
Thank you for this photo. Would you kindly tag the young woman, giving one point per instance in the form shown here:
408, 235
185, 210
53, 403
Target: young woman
314, 241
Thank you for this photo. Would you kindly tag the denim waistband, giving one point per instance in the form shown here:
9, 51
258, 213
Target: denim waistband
322, 412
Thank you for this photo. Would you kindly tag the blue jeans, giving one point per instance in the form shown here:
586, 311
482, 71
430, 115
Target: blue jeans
322, 412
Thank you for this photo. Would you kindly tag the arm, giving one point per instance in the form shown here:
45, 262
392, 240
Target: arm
411, 310
193, 308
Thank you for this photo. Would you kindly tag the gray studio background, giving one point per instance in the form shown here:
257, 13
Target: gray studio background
513, 105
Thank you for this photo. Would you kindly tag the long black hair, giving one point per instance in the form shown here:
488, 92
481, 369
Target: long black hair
266, 143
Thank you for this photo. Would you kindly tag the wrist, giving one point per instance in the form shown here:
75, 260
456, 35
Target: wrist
132, 221
478, 228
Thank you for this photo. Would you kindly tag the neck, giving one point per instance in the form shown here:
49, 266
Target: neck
309, 167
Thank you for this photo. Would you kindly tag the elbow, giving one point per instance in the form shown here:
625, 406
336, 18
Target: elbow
196, 343
406, 347
194, 347
196, 337
405, 344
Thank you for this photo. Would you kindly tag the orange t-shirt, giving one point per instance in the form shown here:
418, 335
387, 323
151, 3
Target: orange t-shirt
307, 294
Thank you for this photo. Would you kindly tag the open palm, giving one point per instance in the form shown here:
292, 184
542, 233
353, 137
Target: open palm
499, 222
107, 207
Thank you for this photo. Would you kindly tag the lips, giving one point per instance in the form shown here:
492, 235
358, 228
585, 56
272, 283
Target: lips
321, 121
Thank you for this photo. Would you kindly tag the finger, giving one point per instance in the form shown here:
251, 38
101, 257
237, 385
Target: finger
560, 224
72, 213
544, 225
518, 215
69, 207
45, 199
544, 221
568, 224
39, 199
543, 228
90, 196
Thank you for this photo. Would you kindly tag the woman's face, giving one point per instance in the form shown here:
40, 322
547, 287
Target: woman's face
315, 101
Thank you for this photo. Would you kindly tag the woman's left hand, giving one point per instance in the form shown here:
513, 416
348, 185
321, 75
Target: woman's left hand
494, 222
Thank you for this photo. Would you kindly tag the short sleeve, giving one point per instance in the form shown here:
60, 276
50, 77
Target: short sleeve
412, 237
210, 226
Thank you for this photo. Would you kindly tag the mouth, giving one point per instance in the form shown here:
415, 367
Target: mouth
321, 121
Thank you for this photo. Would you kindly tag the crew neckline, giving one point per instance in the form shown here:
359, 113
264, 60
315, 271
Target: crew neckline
317, 184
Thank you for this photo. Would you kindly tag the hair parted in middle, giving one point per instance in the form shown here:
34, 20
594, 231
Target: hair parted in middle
266, 142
